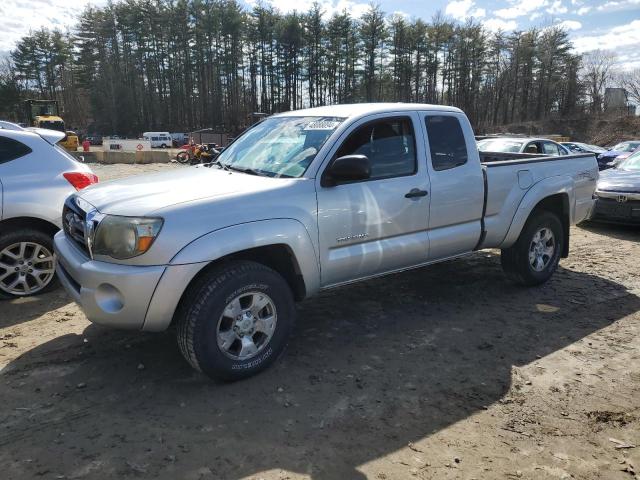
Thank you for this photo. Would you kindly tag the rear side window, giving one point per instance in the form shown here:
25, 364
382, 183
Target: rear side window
388, 143
11, 149
446, 142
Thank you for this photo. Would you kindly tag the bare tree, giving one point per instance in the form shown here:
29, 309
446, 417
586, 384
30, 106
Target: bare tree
631, 83
597, 72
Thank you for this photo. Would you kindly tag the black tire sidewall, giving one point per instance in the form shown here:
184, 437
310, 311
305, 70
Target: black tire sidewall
28, 235
542, 220
207, 311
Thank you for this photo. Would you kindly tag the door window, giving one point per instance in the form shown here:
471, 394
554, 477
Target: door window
388, 143
11, 149
446, 142
532, 147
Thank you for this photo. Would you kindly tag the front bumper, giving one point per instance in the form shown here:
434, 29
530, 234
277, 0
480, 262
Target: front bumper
108, 293
614, 207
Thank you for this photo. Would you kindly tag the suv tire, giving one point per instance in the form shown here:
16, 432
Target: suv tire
534, 257
235, 320
36, 244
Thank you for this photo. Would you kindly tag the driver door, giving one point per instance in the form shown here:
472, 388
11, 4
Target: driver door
380, 224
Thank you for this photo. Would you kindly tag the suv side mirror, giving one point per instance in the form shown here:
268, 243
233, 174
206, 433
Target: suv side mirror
349, 168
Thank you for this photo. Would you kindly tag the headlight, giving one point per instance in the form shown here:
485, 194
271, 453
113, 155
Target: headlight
125, 237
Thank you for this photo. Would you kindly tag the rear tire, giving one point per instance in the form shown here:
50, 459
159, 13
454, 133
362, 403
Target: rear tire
534, 257
235, 320
34, 248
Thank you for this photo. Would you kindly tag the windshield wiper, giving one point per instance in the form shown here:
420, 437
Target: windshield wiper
250, 171
219, 164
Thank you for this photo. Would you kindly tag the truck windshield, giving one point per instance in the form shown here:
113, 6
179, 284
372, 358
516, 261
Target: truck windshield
499, 145
279, 146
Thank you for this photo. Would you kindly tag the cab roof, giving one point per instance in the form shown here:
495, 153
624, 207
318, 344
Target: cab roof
361, 109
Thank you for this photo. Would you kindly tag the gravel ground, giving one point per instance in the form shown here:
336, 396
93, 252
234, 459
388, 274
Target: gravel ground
115, 171
446, 372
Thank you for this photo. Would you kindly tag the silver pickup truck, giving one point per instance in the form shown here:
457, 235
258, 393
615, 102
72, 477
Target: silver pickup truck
304, 201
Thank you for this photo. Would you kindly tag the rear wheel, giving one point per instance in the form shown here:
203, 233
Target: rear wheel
235, 320
27, 263
534, 257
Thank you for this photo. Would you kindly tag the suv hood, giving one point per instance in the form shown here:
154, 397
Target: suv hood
616, 180
142, 195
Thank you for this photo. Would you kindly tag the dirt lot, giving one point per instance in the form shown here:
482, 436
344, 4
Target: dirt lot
446, 372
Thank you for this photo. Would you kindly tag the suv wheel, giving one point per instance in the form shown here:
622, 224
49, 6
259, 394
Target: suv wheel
27, 263
534, 257
235, 320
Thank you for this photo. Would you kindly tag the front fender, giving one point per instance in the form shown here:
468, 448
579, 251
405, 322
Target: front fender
545, 188
195, 256
244, 236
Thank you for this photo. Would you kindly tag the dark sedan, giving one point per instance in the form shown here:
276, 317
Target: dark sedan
618, 193
579, 147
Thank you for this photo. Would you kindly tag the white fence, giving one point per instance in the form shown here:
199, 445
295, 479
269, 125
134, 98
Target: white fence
121, 145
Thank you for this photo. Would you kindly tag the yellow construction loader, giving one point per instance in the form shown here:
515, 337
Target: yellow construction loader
45, 114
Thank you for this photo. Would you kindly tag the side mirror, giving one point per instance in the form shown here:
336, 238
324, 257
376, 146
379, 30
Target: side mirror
349, 168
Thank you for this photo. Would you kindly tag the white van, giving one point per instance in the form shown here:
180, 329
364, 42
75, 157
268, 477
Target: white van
158, 139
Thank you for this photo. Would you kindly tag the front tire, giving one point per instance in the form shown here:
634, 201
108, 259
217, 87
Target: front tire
534, 257
183, 157
235, 320
27, 263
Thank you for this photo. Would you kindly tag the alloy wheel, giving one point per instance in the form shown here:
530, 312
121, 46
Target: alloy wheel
26, 268
246, 325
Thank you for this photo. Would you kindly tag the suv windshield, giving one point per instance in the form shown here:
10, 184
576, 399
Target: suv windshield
499, 145
279, 146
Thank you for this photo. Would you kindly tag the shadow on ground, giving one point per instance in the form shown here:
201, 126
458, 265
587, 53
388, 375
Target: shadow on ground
13, 312
619, 232
369, 369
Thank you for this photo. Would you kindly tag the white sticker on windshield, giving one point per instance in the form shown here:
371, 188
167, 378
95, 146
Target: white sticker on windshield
322, 125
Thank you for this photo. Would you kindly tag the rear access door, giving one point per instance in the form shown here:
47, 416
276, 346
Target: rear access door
457, 184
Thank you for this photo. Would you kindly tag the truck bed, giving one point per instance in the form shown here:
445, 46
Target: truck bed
510, 176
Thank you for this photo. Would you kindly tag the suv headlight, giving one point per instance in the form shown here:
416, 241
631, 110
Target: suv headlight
125, 237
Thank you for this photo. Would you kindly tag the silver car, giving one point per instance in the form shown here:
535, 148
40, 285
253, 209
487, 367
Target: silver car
36, 175
538, 146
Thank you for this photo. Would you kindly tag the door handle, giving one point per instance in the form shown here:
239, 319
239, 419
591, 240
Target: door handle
415, 193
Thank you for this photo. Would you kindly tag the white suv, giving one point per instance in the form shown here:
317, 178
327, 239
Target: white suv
36, 176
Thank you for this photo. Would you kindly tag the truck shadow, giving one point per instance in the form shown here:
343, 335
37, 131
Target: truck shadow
369, 369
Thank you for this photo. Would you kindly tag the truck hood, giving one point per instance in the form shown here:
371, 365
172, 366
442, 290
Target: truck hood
143, 195
618, 180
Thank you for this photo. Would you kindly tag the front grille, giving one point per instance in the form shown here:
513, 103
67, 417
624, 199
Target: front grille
610, 209
73, 223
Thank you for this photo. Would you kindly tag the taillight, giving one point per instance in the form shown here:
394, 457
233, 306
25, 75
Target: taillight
80, 180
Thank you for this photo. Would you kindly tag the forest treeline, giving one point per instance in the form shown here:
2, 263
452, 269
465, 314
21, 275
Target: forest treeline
180, 65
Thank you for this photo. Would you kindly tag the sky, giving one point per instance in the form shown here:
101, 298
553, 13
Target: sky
606, 24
